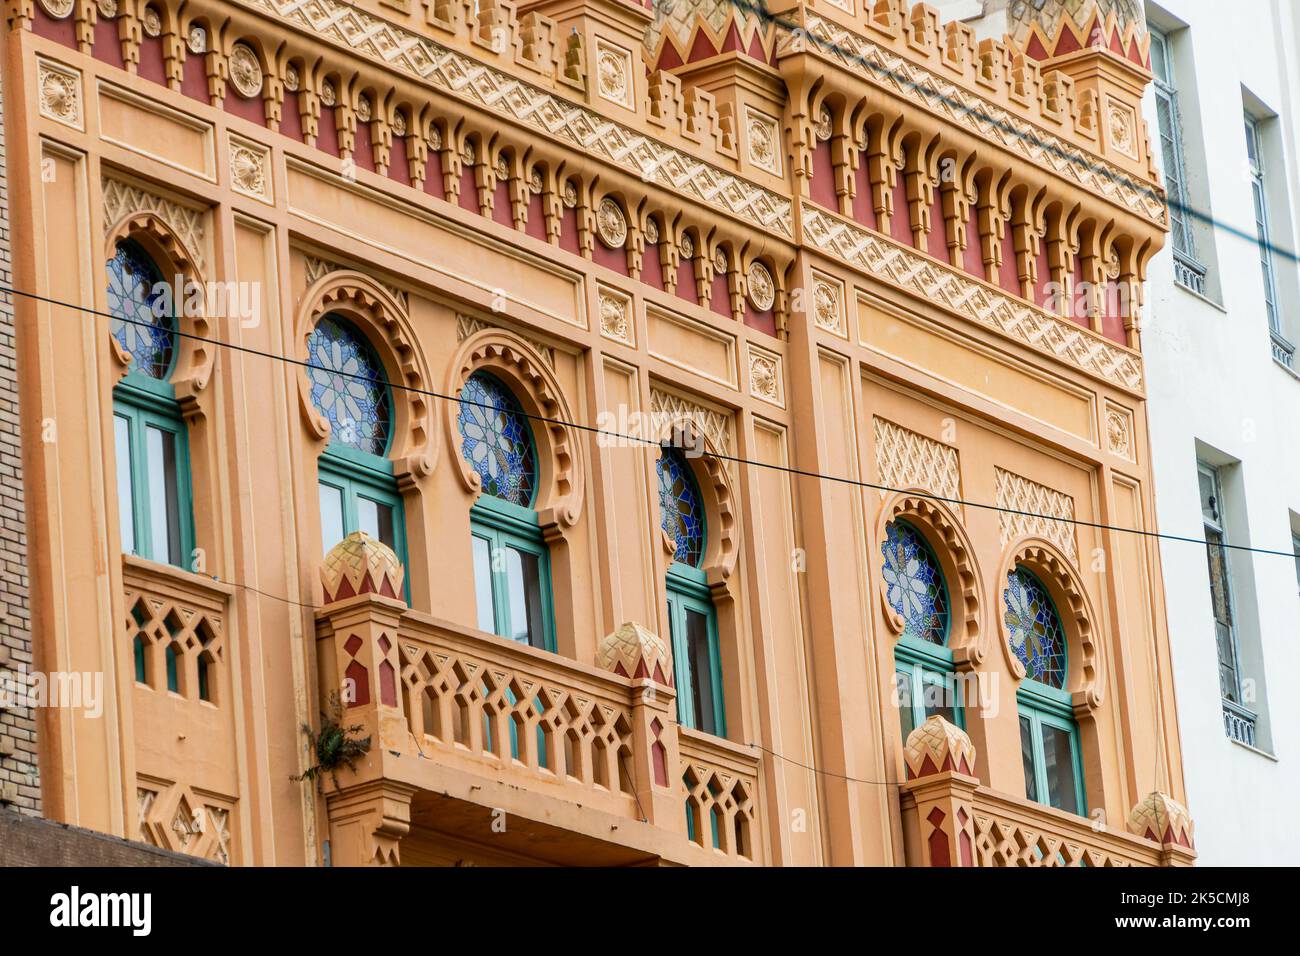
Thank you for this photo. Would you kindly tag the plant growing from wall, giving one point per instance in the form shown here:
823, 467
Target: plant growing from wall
334, 746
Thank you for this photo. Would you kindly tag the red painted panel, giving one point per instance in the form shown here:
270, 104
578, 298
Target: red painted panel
686, 280
536, 226
1008, 278
290, 116
936, 239
615, 259
720, 296
468, 189
107, 46
863, 209
151, 60
569, 230
1043, 284
763, 321
433, 174
652, 270
64, 31
249, 108
363, 151
973, 255
501, 209
900, 223
194, 81
327, 133
360, 680
398, 167
823, 179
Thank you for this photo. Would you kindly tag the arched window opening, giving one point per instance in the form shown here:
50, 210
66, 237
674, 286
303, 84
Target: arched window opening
1049, 735
155, 511
512, 569
925, 680
692, 621
358, 491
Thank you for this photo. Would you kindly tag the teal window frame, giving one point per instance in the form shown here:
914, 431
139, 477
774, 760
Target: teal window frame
923, 664
145, 402
504, 524
357, 474
688, 590
1045, 706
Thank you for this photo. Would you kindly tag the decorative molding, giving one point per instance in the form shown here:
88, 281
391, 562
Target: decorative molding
615, 315
197, 42
906, 459
976, 300
765, 378
317, 267
58, 9
60, 93
151, 22
828, 303
761, 288
454, 73
245, 71
1119, 432
467, 325
1043, 504
249, 169
614, 73
670, 407
122, 199
611, 223
969, 110
763, 140
175, 817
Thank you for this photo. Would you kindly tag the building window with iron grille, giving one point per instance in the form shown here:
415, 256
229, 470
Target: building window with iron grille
1189, 271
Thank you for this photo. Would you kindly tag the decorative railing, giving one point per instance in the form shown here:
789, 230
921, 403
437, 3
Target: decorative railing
449, 707
1239, 723
721, 783
508, 705
1189, 273
950, 819
1283, 351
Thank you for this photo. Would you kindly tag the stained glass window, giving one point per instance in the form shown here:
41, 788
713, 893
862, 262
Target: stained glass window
680, 507
496, 440
1035, 629
914, 583
348, 386
135, 301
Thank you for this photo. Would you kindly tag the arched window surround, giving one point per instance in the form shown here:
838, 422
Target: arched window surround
1073, 709
398, 477
928, 667
173, 405
558, 495
712, 584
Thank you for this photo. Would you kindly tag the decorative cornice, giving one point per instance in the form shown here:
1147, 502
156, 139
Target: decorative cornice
982, 116
466, 78
971, 298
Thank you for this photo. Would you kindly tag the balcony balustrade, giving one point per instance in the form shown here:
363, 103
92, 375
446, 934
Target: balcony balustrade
456, 711
950, 819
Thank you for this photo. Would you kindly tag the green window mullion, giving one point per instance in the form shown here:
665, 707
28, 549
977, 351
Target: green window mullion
145, 405
507, 527
687, 593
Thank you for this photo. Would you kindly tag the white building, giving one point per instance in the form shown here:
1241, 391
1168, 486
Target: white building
1221, 313
1222, 310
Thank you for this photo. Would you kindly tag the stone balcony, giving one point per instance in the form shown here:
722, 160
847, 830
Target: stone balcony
479, 739
950, 819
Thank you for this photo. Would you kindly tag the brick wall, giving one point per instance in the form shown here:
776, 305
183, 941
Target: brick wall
19, 782
28, 842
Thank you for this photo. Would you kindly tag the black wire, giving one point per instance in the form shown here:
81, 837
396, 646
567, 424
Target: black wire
650, 442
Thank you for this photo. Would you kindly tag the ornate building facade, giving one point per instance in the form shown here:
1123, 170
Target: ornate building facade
394, 471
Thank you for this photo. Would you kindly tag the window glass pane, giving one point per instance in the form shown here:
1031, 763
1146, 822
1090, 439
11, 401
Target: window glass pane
164, 498
483, 584
1027, 757
1295, 546
697, 651
1209, 496
376, 520
524, 594
939, 700
903, 694
125, 499
331, 516
1058, 765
